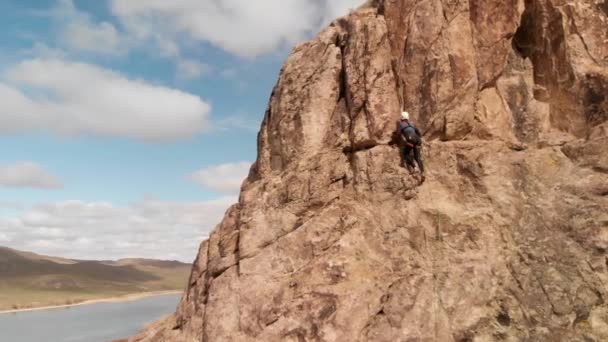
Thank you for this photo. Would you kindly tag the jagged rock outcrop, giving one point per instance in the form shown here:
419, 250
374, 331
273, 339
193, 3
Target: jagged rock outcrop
507, 240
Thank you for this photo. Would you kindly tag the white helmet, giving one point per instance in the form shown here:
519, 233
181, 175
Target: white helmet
405, 116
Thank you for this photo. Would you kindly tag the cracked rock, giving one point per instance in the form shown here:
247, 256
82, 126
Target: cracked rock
333, 240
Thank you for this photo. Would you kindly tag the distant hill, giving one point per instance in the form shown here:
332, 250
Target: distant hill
32, 280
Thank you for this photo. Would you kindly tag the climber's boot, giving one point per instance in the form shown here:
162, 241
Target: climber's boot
411, 169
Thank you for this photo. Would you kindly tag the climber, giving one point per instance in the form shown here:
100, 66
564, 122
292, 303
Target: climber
412, 144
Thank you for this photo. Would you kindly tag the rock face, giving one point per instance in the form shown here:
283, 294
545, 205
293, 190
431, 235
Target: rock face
507, 240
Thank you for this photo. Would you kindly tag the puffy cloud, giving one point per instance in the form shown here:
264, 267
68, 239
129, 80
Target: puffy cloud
101, 38
72, 98
243, 27
240, 121
4, 237
226, 178
229, 73
168, 28
100, 230
27, 175
188, 69
10, 205
80, 32
41, 50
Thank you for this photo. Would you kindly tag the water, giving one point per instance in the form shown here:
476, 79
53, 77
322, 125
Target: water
101, 322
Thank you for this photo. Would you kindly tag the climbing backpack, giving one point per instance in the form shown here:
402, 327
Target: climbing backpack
409, 134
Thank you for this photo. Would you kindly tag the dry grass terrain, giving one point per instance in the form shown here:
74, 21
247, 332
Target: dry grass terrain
29, 280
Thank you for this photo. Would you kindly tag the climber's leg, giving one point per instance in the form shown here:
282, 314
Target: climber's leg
418, 157
408, 158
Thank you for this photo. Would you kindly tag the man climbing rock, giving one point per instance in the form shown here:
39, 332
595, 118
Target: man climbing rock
411, 147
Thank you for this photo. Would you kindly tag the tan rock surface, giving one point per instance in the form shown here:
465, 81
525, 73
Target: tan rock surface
332, 240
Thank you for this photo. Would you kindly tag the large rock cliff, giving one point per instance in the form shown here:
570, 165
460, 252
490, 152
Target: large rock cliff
507, 240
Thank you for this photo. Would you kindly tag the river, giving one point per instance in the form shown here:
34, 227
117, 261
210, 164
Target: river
100, 322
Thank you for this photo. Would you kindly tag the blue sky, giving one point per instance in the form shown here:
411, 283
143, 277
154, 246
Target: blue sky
127, 126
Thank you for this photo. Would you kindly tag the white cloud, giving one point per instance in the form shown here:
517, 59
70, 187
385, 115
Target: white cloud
100, 38
190, 69
336, 8
168, 28
226, 178
41, 50
99, 230
240, 121
72, 98
27, 175
80, 32
229, 73
10, 205
168, 48
243, 27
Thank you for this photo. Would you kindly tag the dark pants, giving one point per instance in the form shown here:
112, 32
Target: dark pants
411, 153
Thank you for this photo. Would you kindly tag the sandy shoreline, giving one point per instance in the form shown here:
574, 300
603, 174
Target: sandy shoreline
125, 298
